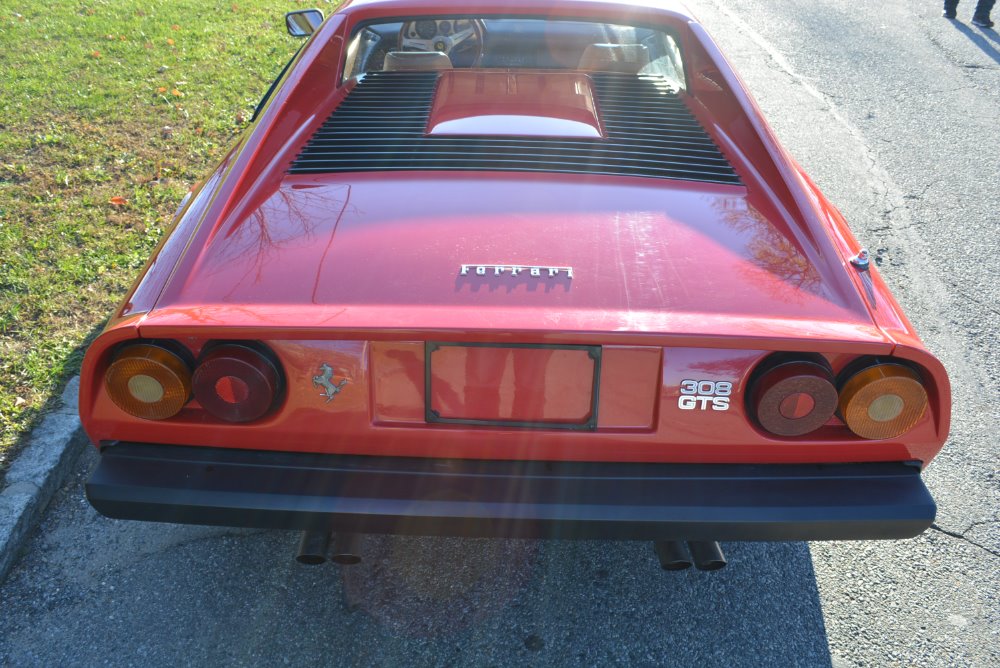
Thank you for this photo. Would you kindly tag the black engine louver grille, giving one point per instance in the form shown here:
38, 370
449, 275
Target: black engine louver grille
650, 132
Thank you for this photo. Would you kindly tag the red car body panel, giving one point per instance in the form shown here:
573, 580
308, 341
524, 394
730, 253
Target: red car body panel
671, 280
646, 253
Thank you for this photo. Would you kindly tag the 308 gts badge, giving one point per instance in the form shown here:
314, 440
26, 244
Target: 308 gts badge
700, 394
330, 389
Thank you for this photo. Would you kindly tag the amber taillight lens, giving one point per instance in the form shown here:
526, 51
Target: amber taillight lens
236, 383
148, 381
794, 397
883, 400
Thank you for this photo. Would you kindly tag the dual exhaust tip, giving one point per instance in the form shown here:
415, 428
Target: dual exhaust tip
675, 555
318, 547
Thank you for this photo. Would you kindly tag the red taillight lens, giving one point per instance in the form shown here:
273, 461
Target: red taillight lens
236, 383
148, 381
794, 397
882, 401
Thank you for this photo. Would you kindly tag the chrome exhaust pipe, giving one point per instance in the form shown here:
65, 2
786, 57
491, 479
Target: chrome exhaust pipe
345, 549
707, 555
672, 554
313, 547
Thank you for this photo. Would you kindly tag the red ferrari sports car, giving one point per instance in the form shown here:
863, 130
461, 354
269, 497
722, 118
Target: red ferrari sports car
513, 268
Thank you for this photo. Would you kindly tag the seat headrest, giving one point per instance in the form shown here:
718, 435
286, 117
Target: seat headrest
625, 58
403, 61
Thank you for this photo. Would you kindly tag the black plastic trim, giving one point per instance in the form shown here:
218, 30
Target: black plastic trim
649, 132
349, 493
274, 84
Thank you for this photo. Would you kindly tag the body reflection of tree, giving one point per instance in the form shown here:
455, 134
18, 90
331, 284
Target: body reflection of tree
769, 249
292, 217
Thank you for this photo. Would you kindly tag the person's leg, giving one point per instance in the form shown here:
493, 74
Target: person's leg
949, 8
983, 9
981, 17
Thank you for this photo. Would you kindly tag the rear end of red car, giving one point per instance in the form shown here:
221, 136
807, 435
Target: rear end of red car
628, 317
492, 436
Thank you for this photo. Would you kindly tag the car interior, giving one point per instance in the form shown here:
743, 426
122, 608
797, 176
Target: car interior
441, 43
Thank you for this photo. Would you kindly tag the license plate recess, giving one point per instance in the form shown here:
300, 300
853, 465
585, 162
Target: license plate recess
542, 386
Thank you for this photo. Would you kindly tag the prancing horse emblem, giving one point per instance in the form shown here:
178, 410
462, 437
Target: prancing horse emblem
330, 390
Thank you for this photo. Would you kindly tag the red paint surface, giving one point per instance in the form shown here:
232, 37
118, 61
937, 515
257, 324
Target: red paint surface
398, 382
647, 256
673, 280
630, 387
305, 421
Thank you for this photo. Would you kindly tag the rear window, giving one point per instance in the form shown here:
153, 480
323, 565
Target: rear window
440, 43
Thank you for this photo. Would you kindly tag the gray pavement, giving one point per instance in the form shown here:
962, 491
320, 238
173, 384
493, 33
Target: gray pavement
895, 113
37, 473
94, 592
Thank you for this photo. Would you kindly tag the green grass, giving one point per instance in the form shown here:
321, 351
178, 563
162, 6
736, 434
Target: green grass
111, 110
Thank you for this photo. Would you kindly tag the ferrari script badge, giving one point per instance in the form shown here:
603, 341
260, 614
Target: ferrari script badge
514, 270
330, 390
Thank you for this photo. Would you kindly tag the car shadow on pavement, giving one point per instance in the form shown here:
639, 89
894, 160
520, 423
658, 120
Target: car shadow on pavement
982, 39
591, 602
90, 588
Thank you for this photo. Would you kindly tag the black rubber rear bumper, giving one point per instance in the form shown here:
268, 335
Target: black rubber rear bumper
246, 488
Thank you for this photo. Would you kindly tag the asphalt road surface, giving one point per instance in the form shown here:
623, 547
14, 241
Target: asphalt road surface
895, 112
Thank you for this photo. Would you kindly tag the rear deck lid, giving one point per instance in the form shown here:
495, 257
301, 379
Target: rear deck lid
485, 251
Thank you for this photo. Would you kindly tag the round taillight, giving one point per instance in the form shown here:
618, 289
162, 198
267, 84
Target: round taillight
148, 381
882, 401
794, 397
236, 383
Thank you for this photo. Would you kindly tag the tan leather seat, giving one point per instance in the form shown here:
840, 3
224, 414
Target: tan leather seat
625, 58
407, 61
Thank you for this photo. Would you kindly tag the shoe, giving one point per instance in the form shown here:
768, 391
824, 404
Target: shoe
982, 23
949, 14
